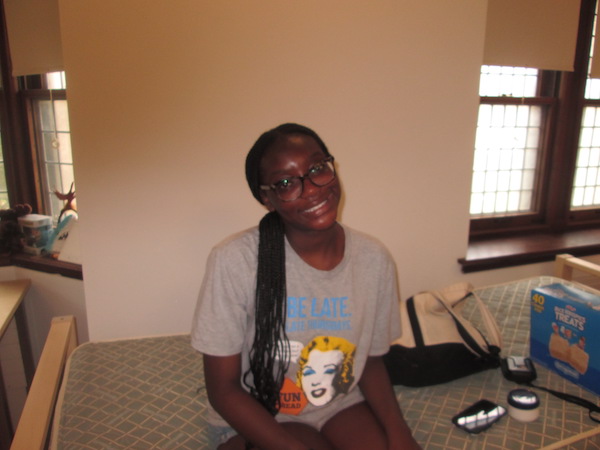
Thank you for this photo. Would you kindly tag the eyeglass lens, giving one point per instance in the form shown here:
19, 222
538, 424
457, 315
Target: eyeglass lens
319, 175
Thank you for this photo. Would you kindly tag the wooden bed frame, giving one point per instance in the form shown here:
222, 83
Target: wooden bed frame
565, 264
33, 429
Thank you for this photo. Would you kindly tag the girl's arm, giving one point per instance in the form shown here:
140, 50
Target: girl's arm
379, 393
246, 415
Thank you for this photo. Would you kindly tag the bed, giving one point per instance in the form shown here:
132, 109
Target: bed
148, 393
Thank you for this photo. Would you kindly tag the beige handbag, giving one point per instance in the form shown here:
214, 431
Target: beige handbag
438, 344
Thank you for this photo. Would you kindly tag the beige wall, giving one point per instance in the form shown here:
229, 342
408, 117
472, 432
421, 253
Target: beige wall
167, 96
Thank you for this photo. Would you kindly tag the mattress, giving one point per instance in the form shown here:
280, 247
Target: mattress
148, 393
139, 393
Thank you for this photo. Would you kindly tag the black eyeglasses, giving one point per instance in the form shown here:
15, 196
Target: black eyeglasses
289, 189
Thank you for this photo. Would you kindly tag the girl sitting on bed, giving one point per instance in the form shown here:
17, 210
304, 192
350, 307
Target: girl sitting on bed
294, 315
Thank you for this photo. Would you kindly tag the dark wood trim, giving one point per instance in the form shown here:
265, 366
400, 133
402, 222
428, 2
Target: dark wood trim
17, 159
568, 125
488, 254
44, 94
43, 264
517, 101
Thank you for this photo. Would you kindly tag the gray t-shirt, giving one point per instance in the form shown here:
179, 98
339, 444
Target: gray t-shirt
335, 320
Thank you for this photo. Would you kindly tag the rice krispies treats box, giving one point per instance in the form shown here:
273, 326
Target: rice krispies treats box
565, 333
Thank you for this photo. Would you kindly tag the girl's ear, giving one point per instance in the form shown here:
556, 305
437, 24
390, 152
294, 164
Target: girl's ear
266, 201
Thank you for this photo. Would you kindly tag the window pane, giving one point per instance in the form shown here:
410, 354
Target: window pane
53, 174
497, 81
2, 178
507, 143
526, 200
4, 203
67, 178
50, 146
57, 147
46, 115
65, 155
56, 80
518, 159
592, 85
55, 141
476, 203
506, 157
592, 88
61, 115
586, 183
531, 158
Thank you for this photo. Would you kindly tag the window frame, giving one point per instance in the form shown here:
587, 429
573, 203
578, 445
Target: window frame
562, 94
28, 98
484, 225
20, 167
23, 161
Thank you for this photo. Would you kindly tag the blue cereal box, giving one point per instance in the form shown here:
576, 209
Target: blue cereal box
565, 333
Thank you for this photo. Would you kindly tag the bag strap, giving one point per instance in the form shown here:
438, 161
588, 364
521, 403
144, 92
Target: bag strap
491, 326
488, 320
455, 295
466, 336
414, 322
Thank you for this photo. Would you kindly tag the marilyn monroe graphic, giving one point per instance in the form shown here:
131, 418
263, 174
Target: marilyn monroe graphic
326, 368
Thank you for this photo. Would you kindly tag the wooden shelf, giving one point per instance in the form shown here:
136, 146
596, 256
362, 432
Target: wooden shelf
507, 251
43, 264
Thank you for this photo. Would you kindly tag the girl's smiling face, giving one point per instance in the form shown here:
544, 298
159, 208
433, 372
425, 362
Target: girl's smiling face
318, 375
293, 156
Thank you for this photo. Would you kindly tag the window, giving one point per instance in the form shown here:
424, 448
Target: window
586, 185
537, 150
35, 143
507, 143
40, 144
48, 117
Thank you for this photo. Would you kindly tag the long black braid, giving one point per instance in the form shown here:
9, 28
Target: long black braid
270, 341
269, 355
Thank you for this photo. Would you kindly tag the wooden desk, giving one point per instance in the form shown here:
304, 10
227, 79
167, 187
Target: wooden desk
11, 305
11, 296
